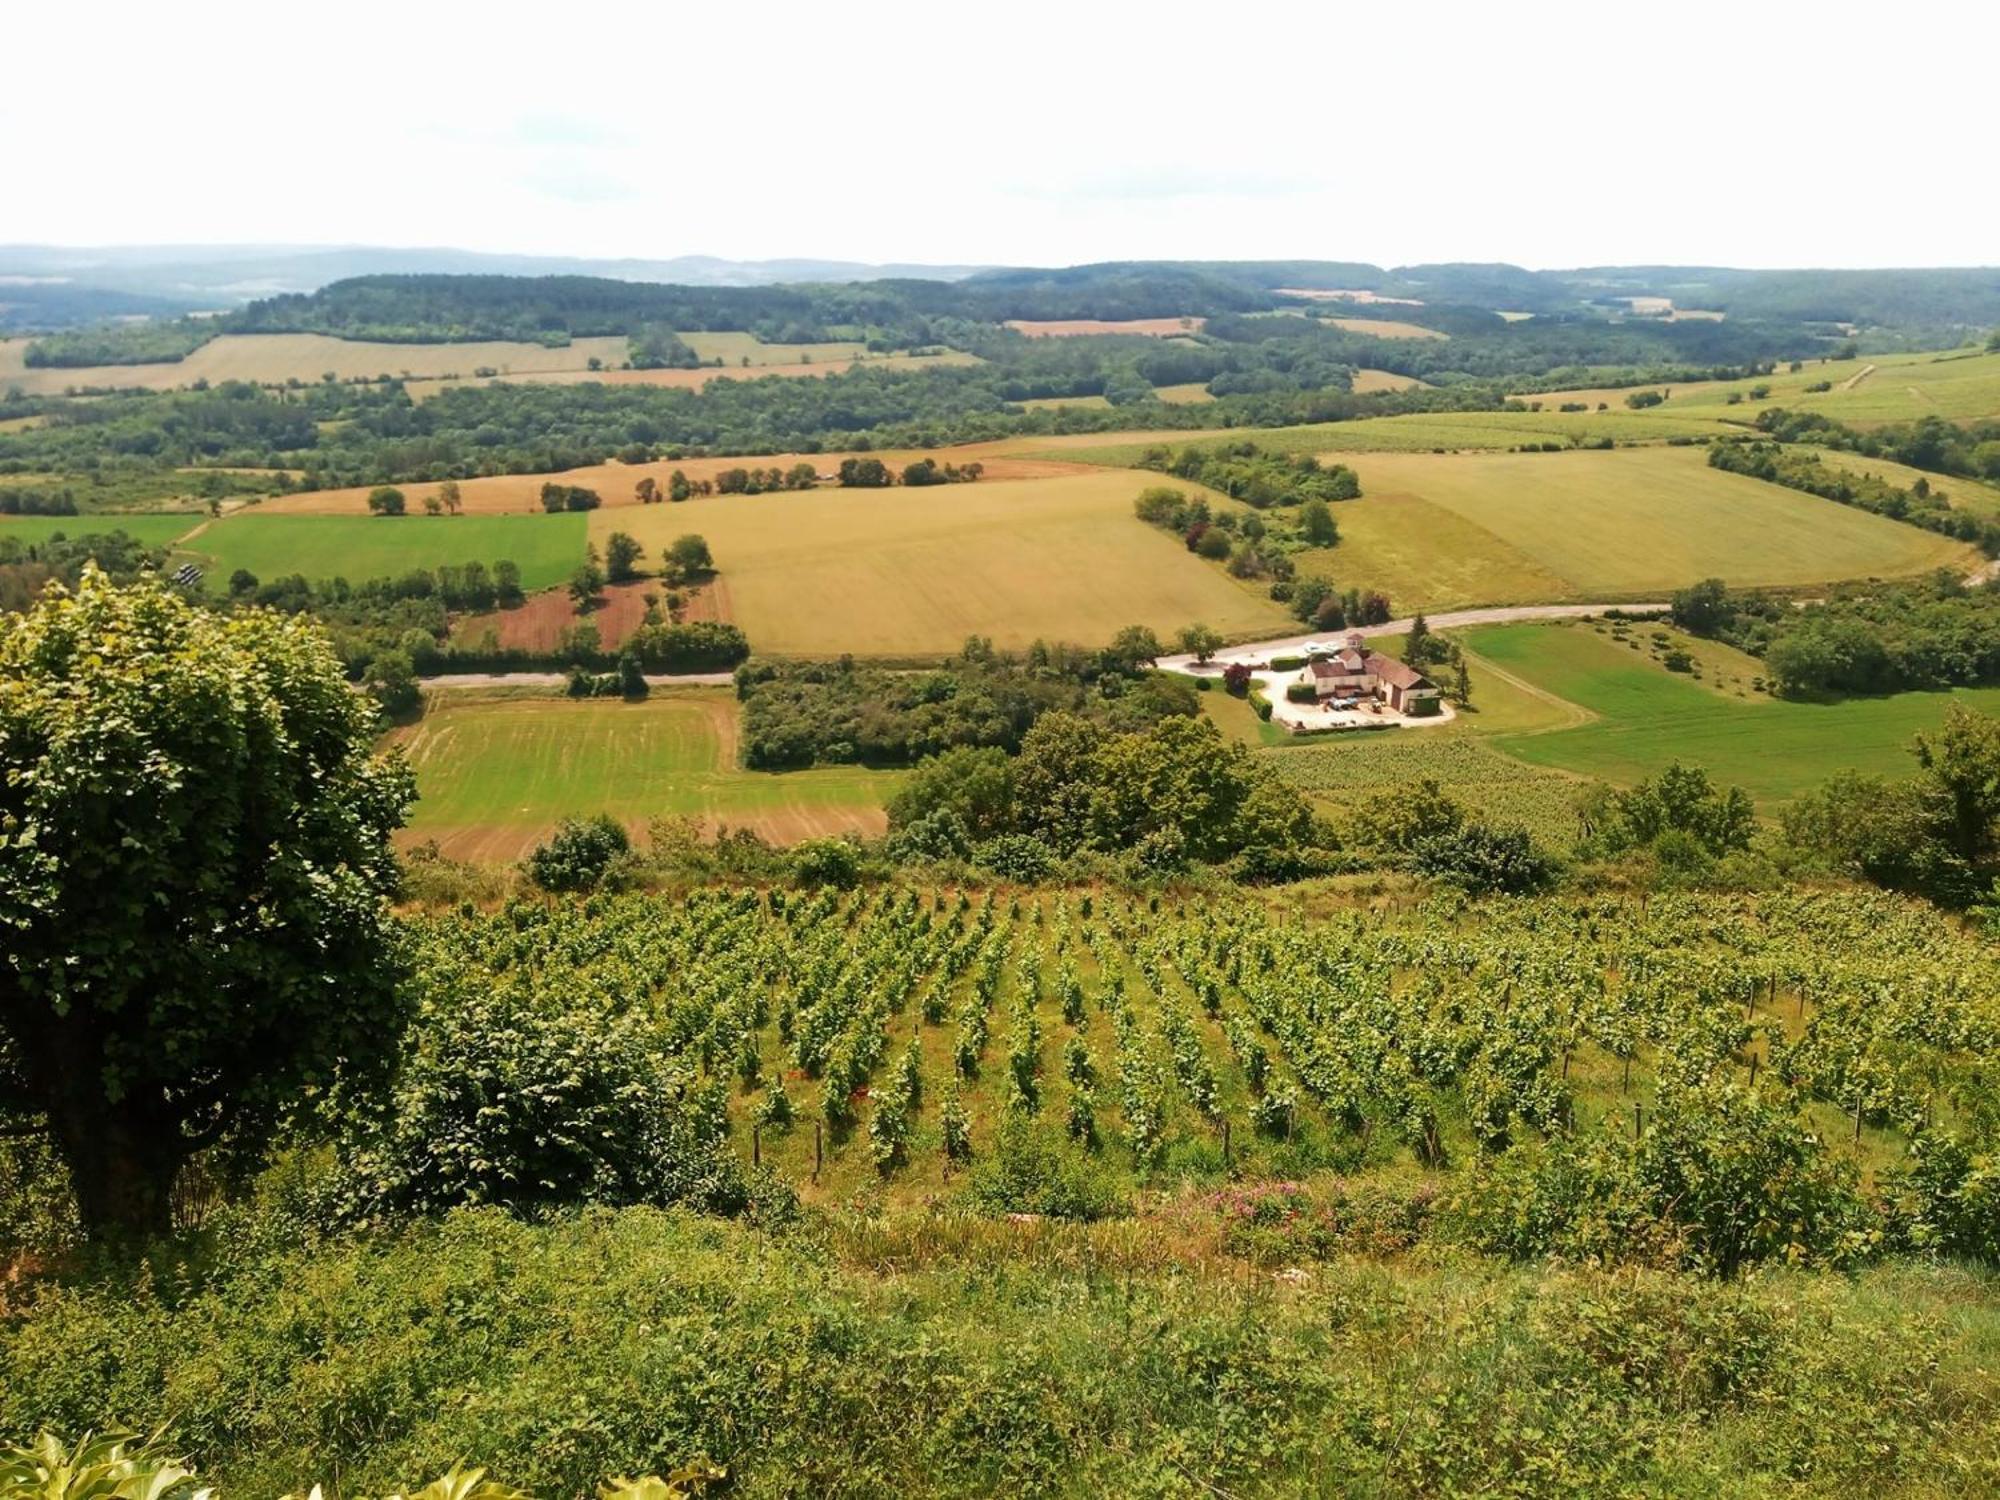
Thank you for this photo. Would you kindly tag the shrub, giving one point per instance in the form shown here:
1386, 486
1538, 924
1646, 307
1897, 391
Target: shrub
1482, 860
1236, 678
1034, 1170
580, 854
1016, 856
1301, 692
830, 862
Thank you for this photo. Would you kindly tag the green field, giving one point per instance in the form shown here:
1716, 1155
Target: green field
1647, 718
1964, 494
495, 773
1957, 384
1437, 531
1472, 431
913, 572
546, 548
153, 530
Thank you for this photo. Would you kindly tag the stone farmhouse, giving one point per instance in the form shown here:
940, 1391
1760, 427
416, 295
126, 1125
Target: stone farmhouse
1356, 673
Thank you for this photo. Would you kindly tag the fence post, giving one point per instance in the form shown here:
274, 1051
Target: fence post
819, 1150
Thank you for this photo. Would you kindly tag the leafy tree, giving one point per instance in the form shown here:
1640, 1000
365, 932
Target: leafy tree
1682, 800
688, 558
586, 586
1317, 527
195, 881
386, 500
621, 557
865, 473
678, 488
451, 497
1200, 641
976, 786
1961, 760
647, 490
391, 679
1133, 647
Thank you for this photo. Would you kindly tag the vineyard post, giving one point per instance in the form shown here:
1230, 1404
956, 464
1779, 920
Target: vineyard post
756, 1145
1625, 1083
1638, 1119
1225, 1143
819, 1153
1857, 1118
1753, 1070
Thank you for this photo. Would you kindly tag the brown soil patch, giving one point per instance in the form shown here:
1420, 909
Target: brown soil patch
541, 623
615, 483
1069, 328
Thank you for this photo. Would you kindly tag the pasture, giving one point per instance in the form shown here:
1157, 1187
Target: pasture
273, 544
496, 773
274, 358
1618, 524
913, 572
1433, 432
1645, 718
1964, 494
1957, 384
155, 529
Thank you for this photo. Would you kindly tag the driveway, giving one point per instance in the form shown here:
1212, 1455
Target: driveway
1257, 651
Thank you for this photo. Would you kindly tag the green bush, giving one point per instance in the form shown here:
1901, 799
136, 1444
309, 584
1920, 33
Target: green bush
582, 854
1301, 692
1035, 1170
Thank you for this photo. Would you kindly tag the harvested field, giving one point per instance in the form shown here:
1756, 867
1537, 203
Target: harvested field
496, 773
1193, 393
1368, 381
273, 358
542, 622
1384, 328
913, 572
1324, 294
616, 483
1063, 328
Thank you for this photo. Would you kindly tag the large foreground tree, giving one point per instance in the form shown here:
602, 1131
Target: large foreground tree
194, 870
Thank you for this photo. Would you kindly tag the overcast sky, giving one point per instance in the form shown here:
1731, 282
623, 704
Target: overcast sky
1751, 134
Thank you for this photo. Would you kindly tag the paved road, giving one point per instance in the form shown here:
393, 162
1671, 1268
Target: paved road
557, 679
1453, 620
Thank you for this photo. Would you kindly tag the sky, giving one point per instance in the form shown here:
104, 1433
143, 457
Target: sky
1750, 134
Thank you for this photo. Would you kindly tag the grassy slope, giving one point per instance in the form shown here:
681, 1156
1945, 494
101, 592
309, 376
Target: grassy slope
495, 774
1955, 384
152, 530
547, 548
915, 571
1649, 718
1442, 531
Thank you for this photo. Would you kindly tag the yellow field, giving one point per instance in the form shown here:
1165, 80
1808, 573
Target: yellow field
1384, 328
1057, 403
1368, 381
1190, 394
616, 483
905, 572
1956, 384
1503, 528
272, 358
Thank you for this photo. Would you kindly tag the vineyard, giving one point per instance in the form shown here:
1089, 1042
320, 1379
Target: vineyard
893, 1040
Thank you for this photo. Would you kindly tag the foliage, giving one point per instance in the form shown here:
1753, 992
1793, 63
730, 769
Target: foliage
106, 1466
195, 871
582, 854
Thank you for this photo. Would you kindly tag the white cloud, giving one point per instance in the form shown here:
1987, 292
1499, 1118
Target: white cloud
1043, 133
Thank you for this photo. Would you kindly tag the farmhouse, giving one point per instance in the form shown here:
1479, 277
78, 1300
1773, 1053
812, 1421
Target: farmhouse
1356, 672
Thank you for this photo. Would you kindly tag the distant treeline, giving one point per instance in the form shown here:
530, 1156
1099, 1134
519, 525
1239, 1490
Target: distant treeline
1971, 449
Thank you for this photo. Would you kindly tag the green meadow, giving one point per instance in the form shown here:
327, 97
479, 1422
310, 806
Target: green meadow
547, 549
1646, 718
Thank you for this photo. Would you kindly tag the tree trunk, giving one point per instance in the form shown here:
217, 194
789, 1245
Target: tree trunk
122, 1167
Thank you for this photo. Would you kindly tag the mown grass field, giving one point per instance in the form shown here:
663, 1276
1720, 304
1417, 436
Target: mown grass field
1964, 494
913, 572
1368, 381
1436, 432
273, 358
155, 530
1193, 393
273, 544
1647, 718
496, 773
1436, 531
1957, 384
